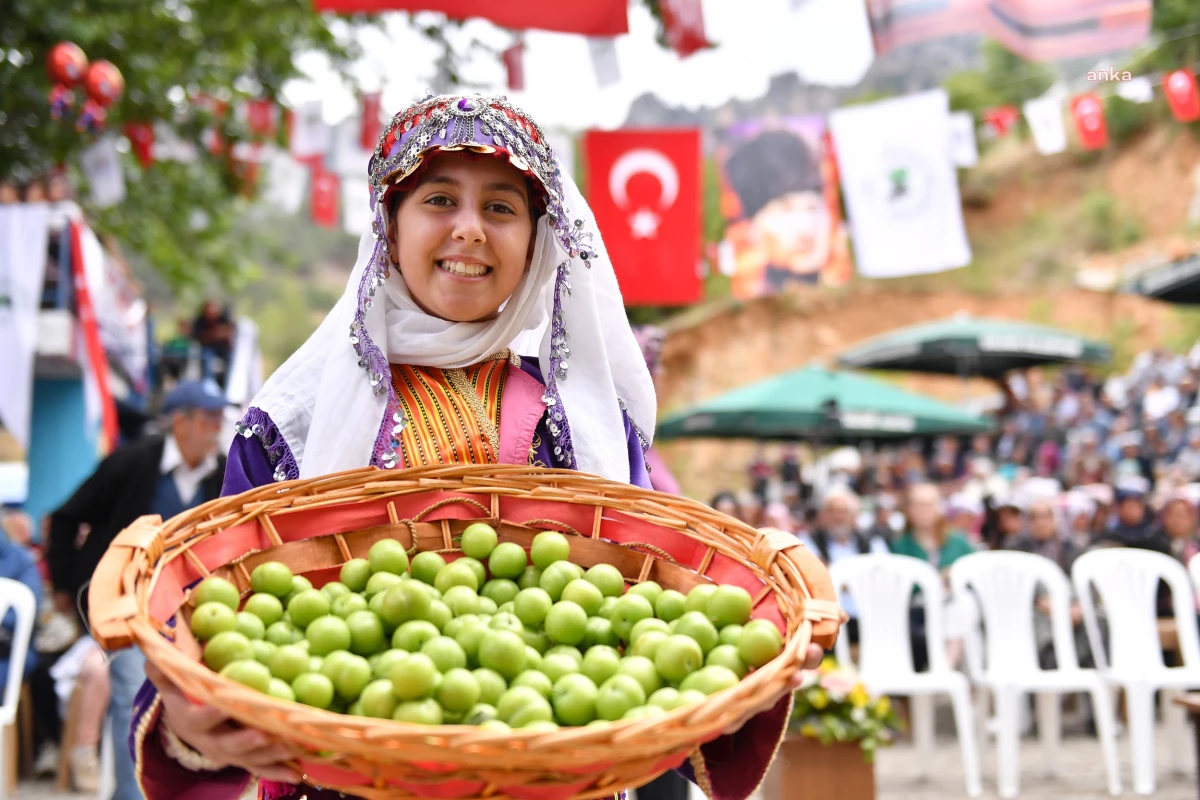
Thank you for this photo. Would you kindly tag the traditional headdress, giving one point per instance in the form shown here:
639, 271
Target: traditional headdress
318, 399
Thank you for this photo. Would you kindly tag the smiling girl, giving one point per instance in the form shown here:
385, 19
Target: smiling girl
478, 241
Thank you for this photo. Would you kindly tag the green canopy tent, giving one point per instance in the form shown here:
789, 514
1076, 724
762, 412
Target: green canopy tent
966, 346
816, 403
1177, 282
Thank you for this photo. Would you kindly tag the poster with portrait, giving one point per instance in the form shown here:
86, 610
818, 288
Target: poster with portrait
779, 197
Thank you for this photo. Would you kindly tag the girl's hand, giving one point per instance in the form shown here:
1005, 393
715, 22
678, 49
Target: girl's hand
218, 738
812, 660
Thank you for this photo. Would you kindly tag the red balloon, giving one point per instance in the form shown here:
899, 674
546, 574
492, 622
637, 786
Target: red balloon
66, 63
104, 83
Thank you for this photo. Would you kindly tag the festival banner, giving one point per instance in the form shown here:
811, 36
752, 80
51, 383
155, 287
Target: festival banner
1045, 118
644, 188
603, 52
260, 118
514, 66
89, 329
287, 182
900, 185
1182, 96
141, 141
779, 197
1038, 30
999, 120
24, 229
308, 136
1138, 89
372, 125
591, 18
1088, 110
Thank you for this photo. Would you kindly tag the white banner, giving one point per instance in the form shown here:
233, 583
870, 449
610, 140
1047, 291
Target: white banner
1045, 117
287, 182
563, 145
101, 166
1137, 90
309, 135
356, 206
604, 60
346, 156
24, 232
963, 147
900, 185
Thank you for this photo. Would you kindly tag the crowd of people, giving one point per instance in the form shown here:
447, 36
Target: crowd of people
1076, 462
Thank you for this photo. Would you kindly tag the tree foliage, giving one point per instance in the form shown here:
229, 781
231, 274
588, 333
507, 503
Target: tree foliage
180, 217
1005, 78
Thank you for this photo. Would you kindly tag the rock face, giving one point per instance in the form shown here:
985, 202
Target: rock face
709, 351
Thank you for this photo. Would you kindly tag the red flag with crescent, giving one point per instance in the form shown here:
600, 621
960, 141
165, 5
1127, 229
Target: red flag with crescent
644, 187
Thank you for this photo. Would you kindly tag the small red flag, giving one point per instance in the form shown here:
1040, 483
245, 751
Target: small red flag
514, 65
1000, 119
1088, 111
141, 140
1182, 95
684, 23
371, 126
260, 118
324, 198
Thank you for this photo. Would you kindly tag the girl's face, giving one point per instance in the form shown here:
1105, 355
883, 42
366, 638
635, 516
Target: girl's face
463, 237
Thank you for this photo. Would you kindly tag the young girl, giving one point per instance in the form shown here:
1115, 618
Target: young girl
478, 241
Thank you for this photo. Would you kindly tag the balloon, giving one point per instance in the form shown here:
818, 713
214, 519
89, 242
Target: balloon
66, 63
91, 117
104, 83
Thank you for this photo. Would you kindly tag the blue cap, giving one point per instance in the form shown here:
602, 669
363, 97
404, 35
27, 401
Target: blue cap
188, 395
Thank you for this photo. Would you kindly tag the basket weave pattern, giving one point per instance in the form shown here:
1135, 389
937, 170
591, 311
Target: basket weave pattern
141, 595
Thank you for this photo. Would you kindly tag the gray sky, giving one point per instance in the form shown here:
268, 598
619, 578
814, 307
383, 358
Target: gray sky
826, 41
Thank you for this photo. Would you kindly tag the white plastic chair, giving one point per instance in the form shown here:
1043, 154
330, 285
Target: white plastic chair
882, 588
1127, 580
19, 598
1004, 584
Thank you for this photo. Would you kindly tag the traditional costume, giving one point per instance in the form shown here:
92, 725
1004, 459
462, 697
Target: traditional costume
381, 382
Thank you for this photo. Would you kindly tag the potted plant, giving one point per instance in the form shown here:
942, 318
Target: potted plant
835, 729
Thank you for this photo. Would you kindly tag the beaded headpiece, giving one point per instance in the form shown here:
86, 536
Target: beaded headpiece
483, 125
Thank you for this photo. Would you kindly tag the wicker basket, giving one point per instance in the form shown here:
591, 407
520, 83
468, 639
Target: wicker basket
142, 588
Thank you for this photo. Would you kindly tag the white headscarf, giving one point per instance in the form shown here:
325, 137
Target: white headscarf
331, 413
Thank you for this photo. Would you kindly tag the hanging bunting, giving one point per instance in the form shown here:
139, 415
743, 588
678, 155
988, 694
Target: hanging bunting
356, 208
90, 330
101, 168
514, 65
371, 125
1045, 118
260, 118
603, 51
1088, 111
141, 141
1137, 90
309, 137
964, 150
684, 24
286, 183
324, 197
212, 138
999, 120
1182, 95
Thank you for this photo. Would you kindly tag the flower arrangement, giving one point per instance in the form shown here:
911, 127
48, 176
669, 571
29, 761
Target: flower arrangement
833, 705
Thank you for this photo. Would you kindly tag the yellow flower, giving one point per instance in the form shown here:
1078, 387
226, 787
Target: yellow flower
883, 706
819, 699
859, 697
810, 731
828, 665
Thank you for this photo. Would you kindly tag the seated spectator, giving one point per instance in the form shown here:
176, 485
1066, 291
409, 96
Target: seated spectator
1179, 527
1134, 525
881, 518
1045, 536
727, 503
777, 515
835, 538
17, 563
1080, 511
927, 537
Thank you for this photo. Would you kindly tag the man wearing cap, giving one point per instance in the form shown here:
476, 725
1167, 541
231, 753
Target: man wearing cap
164, 474
1133, 527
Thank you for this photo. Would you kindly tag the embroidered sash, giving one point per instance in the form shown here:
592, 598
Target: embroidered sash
444, 426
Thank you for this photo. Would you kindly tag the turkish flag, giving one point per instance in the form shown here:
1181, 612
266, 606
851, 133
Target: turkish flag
324, 198
684, 24
371, 126
1088, 110
644, 187
260, 118
591, 18
1182, 95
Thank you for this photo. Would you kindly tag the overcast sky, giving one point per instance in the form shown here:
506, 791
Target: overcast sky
826, 41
